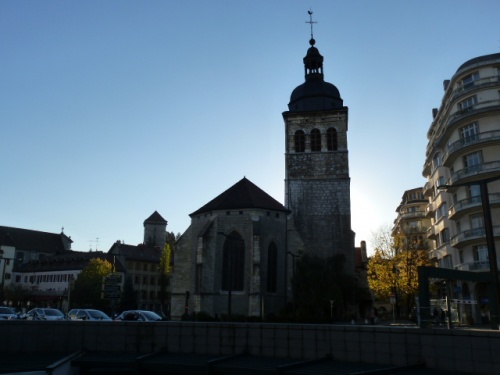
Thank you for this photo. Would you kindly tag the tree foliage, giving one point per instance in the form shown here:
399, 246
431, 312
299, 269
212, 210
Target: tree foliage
316, 282
87, 289
165, 269
393, 269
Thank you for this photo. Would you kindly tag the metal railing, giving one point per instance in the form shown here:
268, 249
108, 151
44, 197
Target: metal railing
479, 265
472, 234
468, 141
477, 169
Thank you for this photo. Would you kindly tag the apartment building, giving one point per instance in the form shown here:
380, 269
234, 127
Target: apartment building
464, 151
412, 220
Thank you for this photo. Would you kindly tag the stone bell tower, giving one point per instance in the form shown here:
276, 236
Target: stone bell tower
317, 185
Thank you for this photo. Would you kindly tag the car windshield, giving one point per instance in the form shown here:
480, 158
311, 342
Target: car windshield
49, 312
151, 315
96, 314
6, 310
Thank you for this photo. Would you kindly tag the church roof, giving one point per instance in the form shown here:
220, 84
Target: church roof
69, 260
32, 240
243, 194
155, 218
140, 252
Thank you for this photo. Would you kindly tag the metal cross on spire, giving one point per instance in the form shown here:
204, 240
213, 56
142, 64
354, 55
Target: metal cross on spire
311, 21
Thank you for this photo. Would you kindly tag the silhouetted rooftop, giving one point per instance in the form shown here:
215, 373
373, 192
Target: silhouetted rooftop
244, 194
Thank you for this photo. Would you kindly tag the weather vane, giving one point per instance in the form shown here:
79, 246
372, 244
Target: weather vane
311, 21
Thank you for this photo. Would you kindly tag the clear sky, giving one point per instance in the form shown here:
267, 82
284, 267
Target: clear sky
110, 110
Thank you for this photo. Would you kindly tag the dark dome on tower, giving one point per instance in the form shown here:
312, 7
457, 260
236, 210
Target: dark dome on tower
314, 94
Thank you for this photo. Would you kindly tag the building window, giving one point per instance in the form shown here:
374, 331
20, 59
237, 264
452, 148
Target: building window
467, 104
442, 211
315, 140
331, 139
437, 160
472, 160
446, 262
469, 133
477, 221
272, 268
300, 141
480, 253
444, 236
233, 262
468, 80
473, 191
197, 281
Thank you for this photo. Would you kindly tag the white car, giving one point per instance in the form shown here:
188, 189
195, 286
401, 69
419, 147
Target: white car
45, 314
87, 314
139, 316
6, 313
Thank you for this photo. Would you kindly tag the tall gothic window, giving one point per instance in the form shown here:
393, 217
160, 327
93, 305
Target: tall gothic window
331, 139
272, 268
233, 262
300, 141
315, 140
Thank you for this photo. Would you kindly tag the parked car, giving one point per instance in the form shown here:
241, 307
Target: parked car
87, 314
6, 313
45, 314
139, 316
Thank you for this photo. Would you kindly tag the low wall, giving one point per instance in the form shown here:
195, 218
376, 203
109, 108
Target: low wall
474, 351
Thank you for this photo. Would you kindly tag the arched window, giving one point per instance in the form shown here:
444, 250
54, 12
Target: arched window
233, 262
300, 141
315, 140
272, 268
331, 139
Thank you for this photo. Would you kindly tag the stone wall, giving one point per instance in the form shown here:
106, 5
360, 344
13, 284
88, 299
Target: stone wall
472, 351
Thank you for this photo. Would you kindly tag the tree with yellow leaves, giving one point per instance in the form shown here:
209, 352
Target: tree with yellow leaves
393, 269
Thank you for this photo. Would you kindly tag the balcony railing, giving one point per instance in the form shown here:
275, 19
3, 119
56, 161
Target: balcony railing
480, 265
471, 140
472, 202
410, 215
464, 204
486, 81
472, 234
478, 169
440, 127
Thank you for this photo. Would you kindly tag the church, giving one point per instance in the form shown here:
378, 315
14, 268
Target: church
238, 253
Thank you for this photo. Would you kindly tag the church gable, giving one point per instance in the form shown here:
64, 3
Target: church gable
242, 195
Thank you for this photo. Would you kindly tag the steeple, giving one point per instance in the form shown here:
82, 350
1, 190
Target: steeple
314, 94
313, 62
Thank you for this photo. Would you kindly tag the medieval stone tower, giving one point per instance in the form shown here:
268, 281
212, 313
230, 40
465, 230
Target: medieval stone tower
155, 230
317, 185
